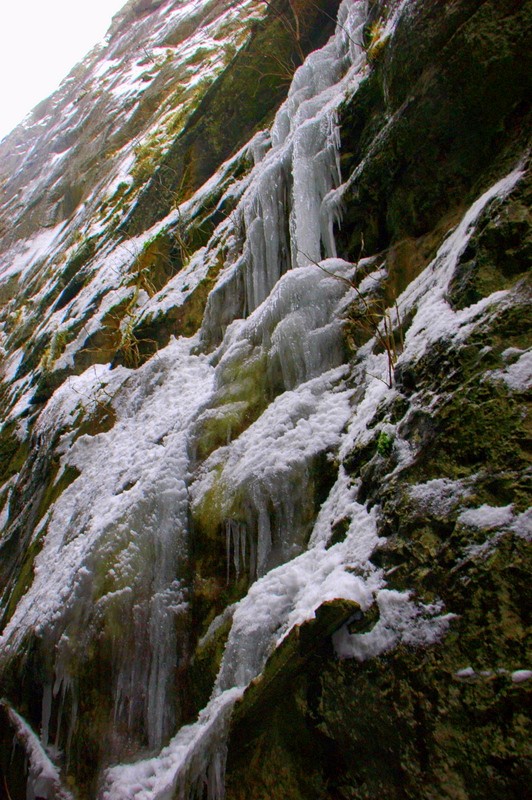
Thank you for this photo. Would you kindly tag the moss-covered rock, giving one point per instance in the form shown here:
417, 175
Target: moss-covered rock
447, 720
275, 748
443, 464
498, 254
13, 451
464, 87
239, 103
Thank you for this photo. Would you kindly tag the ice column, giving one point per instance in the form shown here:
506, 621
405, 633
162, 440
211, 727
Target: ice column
287, 218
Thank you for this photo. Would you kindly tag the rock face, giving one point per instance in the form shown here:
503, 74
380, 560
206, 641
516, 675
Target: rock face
264, 456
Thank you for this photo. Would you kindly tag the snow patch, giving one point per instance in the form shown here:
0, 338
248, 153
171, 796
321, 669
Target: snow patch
517, 376
440, 496
402, 620
487, 517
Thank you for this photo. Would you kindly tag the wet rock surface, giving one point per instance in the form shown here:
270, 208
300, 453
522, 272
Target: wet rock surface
265, 388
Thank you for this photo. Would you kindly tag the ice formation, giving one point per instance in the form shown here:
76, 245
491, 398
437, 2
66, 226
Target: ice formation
267, 369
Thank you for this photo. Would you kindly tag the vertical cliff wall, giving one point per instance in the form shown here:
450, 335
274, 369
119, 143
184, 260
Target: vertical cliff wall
265, 383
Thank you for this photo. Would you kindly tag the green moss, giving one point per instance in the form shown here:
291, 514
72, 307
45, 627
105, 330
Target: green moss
406, 725
55, 349
24, 580
101, 346
384, 444
149, 333
205, 664
477, 425
83, 253
220, 427
33, 353
200, 55
241, 398
13, 451
147, 156
73, 277
56, 487
339, 531
440, 732
498, 253
161, 258
209, 513
375, 41
240, 101
409, 183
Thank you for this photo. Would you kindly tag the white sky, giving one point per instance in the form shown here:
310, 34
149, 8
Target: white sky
40, 41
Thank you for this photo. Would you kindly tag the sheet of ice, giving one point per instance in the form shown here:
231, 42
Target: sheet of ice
269, 465
105, 65
434, 318
116, 535
298, 327
289, 595
69, 110
22, 259
340, 505
393, 18
124, 517
285, 597
180, 287
371, 376
295, 176
194, 760
522, 525
263, 461
402, 618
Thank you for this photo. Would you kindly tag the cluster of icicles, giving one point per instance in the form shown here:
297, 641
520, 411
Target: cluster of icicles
285, 310
284, 222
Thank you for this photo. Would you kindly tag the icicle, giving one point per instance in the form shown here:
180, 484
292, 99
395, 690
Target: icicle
59, 689
194, 761
63, 685
73, 720
264, 531
243, 540
265, 214
236, 543
228, 537
289, 208
46, 713
236, 550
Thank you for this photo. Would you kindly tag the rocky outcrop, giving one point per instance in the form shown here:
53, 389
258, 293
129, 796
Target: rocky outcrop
265, 455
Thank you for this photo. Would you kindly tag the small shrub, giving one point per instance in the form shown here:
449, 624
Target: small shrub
376, 42
147, 156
